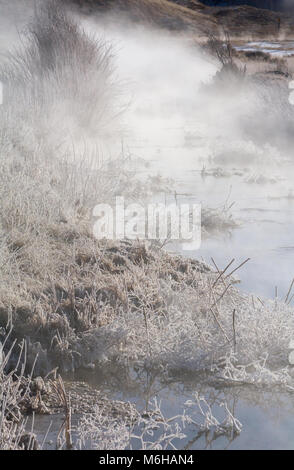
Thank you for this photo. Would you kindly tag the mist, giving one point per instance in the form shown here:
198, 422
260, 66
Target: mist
96, 107
167, 82
171, 83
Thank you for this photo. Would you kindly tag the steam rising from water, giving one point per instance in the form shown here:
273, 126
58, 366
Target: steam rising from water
182, 114
185, 118
179, 113
173, 96
162, 80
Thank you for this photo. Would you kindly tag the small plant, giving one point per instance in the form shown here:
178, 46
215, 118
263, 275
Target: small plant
14, 393
223, 51
153, 430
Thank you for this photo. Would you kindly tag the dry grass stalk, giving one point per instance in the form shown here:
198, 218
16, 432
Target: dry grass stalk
64, 398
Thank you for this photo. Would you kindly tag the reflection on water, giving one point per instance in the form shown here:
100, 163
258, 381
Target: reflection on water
265, 233
266, 415
263, 208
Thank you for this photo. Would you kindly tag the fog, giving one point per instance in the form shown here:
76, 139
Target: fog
161, 79
148, 103
182, 118
222, 137
169, 82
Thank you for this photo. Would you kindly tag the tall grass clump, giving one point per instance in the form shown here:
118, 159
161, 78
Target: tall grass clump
14, 393
222, 50
61, 83
59, 90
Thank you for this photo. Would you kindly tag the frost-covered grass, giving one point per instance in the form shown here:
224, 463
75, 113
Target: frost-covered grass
78, 301
135, 304
152, 430
217, 220
207, 326
14, 393
60, 84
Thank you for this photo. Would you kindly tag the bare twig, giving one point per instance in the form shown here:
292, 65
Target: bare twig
238, 267
222, 272
289, 291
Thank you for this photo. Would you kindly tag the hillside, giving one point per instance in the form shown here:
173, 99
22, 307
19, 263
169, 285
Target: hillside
163, 13
245, 21
193, 16
274, 5
248, 18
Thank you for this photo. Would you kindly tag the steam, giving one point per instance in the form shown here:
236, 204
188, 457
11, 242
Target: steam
66, 88
163, 88
76, 88
175, 90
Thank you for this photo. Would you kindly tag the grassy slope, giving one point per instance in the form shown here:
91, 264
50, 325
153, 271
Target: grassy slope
191, 15
246, 21
162, 13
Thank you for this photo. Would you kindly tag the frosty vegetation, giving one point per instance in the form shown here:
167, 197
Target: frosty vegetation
78, 302
153, 430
